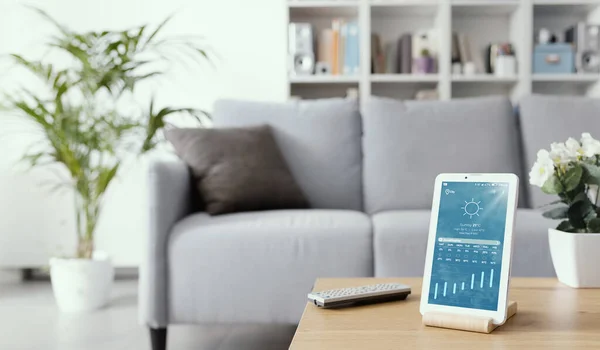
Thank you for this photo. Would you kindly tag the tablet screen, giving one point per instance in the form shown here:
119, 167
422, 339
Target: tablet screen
467, 259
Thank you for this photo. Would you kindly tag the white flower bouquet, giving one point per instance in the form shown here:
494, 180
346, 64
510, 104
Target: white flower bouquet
571, 170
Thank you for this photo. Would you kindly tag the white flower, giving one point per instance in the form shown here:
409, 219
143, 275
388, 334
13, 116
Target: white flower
559, 153
590, 146
574, 148
542, 170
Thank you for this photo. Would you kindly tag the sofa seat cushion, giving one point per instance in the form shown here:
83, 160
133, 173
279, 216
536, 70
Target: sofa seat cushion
406, 144
400, 243
320, 141
259, 267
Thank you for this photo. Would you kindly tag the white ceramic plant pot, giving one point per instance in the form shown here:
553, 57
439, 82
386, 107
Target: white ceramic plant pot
575, 258
82, 285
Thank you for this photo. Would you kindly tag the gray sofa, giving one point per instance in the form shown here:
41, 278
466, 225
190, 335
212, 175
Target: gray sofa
369, 179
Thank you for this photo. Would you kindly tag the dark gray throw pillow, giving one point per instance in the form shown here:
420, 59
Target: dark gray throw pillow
238, 169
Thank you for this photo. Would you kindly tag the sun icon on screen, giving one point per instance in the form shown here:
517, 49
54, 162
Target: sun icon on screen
472, 208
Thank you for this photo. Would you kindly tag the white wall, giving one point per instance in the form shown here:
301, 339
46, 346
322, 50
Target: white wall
250, 39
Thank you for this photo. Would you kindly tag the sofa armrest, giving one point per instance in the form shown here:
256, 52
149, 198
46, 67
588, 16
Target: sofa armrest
169, 200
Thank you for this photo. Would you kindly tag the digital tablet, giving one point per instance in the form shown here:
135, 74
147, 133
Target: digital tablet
470, 245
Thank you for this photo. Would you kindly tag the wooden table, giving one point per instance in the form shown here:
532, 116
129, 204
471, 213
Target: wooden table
551, 316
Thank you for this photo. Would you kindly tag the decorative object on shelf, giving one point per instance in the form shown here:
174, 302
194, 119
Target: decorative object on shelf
544, 36
301, 50
431, 94
425, 40
571, 170
323, 68
557, 58
88, 136
506, 62
469, 68
586, 40
352, 93
456, 68
490, 58
423, 64
506, 66
501, 60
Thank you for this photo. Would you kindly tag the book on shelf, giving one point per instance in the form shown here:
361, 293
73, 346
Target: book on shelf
464, 49
377, 55
325, 47
352, 52
455, 49
462, 52
399, 55
338, 46
342, 47
391, 59
336, 26
406, 54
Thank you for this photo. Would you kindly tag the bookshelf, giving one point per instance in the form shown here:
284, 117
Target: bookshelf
484, 78
483, 21
405, 78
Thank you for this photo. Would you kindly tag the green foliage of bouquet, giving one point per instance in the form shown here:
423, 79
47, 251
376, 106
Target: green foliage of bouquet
84, 130
571, 170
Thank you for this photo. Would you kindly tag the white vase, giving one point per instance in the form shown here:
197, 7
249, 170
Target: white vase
575, 258
82, 285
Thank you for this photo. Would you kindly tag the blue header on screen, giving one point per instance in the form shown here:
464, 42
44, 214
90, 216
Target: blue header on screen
467, 259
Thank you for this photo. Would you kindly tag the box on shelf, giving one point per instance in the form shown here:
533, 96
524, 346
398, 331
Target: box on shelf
557, 58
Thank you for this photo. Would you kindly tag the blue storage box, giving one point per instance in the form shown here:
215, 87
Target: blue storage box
558, 58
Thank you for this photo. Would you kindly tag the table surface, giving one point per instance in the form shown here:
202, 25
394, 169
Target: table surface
550, 316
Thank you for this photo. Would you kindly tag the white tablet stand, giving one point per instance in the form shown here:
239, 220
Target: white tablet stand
466, 323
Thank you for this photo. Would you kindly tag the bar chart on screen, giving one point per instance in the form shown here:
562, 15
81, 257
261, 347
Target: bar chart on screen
461, 285
477, 281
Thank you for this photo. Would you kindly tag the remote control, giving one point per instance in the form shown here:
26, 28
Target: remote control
376, 293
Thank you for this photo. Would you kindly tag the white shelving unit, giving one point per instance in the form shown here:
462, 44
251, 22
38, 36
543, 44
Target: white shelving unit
566, 78
484, 21
484, 78
405, 78
324, 79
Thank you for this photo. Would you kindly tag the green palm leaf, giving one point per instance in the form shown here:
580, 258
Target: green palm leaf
85, 129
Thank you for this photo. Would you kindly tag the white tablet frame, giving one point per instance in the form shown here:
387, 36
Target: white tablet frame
499, 316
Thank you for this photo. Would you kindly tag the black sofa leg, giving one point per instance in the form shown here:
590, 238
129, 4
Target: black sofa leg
158, 338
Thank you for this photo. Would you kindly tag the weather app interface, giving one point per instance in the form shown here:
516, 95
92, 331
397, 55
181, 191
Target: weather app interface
469, 242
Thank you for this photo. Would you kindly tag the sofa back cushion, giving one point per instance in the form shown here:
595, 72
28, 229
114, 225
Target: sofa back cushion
319, 139
548, 119
407, 144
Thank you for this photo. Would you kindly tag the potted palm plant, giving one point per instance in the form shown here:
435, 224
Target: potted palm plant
571, 170
88, 135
